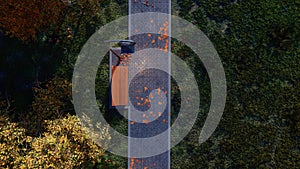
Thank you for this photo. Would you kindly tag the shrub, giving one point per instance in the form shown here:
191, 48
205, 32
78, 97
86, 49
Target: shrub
64, 144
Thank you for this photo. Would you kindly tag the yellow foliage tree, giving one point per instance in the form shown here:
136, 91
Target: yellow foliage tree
13, 143
64, 144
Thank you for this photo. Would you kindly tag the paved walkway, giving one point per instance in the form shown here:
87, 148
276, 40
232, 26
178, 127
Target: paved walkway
149, 89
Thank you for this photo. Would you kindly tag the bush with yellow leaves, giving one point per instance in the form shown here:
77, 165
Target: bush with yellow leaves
13, 144
64, 144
